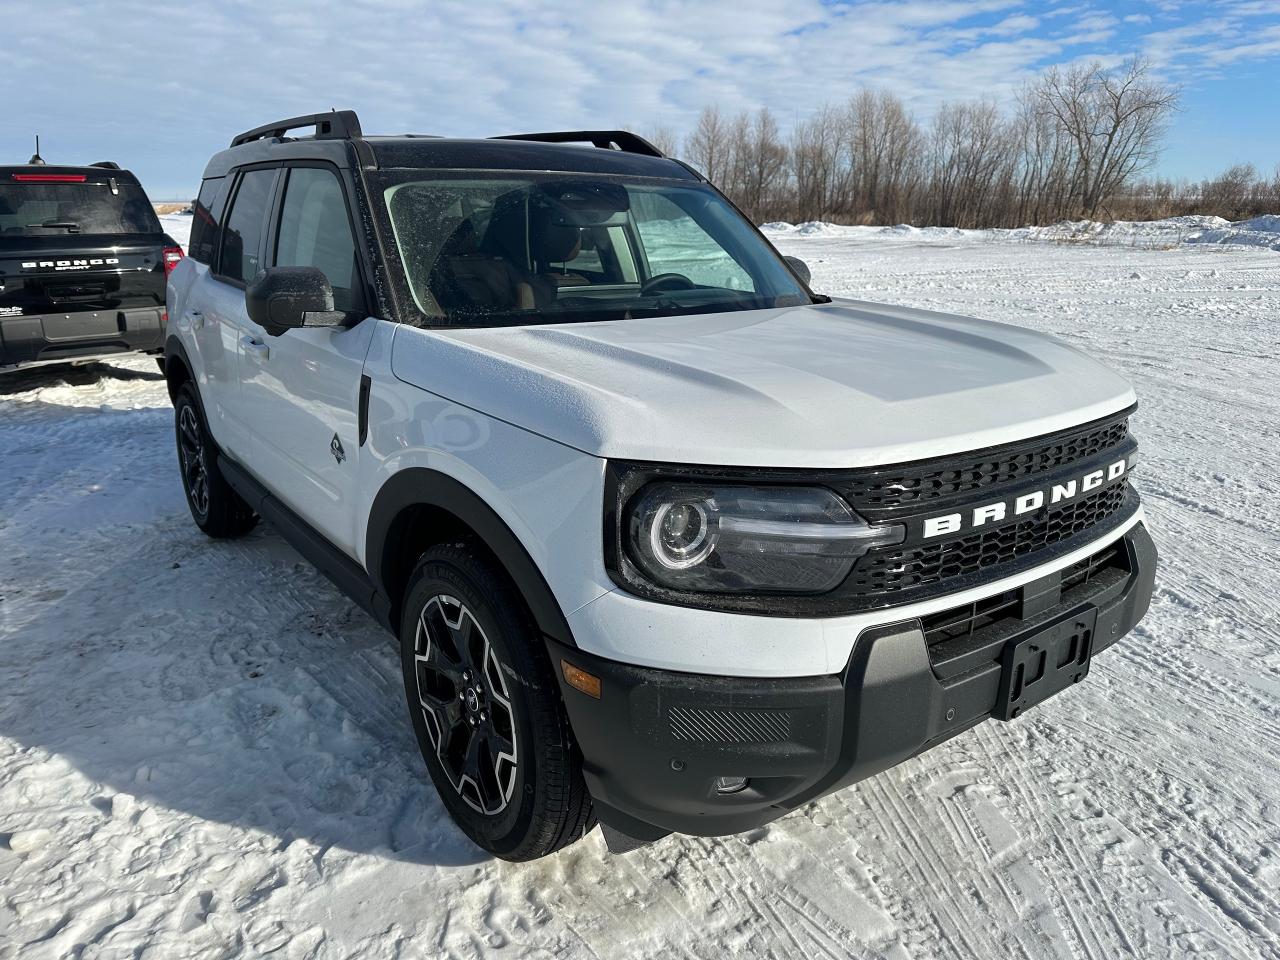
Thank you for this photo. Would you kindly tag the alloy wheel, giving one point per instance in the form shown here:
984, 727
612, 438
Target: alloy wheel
465, 705
195, 472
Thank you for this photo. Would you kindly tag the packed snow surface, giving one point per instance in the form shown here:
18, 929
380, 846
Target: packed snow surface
204, 750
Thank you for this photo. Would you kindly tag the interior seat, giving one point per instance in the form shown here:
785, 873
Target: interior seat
465, 278
555, 240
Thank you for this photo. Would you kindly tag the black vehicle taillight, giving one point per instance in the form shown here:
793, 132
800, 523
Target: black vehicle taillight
172, 256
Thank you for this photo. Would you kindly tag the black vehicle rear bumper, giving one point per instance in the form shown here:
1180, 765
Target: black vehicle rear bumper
655, 742
60, 337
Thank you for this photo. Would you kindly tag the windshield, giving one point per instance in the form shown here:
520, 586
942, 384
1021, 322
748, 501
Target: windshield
486, 250
49, 209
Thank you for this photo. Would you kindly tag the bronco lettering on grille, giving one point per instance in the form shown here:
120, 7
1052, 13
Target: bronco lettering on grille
949, 523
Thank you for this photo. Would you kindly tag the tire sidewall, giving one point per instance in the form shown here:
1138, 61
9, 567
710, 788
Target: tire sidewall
186, 397
507, 631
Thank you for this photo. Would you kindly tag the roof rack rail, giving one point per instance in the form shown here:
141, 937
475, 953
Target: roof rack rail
606, 139
106, 165
334, 125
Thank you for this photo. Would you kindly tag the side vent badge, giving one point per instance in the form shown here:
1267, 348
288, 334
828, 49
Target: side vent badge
335, 447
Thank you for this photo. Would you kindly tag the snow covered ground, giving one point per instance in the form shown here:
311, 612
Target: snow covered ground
1146, 234
204, 753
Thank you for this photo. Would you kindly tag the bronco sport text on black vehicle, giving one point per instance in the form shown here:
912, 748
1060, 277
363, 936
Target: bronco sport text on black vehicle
668, 540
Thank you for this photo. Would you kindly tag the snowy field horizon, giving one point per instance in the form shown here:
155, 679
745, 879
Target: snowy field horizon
1262, 231
203, 750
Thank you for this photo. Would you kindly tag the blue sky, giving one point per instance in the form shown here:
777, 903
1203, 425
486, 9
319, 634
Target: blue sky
159, 87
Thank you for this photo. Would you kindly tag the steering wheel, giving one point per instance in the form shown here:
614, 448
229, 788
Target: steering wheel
666, 281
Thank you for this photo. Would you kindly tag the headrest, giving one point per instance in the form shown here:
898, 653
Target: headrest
554, 238
462, 241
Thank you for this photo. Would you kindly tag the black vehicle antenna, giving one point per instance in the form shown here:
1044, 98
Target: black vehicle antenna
35, 157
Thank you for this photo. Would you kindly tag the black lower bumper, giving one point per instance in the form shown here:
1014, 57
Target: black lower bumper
47, 338
655, 742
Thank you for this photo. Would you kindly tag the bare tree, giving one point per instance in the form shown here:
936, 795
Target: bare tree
1115, 120
885, 148
763, 159
664, 138
816, 148
1074, 143
971, 162
706, 147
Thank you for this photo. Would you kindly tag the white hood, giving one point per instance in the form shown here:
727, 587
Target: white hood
834, 385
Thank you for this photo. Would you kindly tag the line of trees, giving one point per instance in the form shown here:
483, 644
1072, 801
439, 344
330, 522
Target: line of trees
1072, 145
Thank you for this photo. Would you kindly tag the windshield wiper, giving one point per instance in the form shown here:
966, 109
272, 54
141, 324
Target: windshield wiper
56, 225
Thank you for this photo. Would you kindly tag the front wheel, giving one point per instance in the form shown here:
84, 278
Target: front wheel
486, 709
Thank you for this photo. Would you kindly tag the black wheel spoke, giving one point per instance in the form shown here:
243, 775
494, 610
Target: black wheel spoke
500, 742
479, 766
436, 656
195, 475
465, 704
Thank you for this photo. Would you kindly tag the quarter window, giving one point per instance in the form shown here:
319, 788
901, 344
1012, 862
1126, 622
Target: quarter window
316, 232
204, 220
242, 235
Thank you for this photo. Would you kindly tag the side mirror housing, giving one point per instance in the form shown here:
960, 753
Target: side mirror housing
799, 268
282, 298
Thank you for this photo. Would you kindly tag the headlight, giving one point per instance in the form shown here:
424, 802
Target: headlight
725, 538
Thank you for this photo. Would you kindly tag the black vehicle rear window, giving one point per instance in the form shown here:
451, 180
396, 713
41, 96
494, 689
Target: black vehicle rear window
42, 209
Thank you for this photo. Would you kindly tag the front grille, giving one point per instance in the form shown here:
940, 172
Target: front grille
895, 570
973, 619
966, 485
920, 484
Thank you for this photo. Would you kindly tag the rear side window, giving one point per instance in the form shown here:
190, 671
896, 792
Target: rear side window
316, 232
43, 209
205, 219
242, 235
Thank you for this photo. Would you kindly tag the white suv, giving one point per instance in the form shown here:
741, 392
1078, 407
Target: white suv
668, 540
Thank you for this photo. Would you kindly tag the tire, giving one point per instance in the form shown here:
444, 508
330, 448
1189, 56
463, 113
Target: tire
217, 509
160, 363
502, 758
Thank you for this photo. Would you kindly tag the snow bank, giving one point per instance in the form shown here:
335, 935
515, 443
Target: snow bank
1148, 234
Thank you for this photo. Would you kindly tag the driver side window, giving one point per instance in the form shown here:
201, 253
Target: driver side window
315, 231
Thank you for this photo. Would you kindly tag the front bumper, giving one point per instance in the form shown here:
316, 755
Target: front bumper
655, 741
62, 337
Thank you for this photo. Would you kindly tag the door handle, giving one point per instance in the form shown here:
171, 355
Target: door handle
196, 318
255, 347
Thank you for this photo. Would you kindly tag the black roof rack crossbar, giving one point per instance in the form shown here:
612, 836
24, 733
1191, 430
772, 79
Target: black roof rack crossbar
106, 165
335, 125
606, 139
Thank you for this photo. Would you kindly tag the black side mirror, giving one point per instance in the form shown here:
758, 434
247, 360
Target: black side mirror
799, 268
282, 298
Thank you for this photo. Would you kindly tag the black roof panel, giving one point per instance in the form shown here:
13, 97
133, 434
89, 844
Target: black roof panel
443, 154
439, 153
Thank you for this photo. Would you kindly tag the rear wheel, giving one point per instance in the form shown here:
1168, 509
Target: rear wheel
486, 708
217, 509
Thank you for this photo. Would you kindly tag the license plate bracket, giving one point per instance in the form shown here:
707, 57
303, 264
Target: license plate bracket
1045, 662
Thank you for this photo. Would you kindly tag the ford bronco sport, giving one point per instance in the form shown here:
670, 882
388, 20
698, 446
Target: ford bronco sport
83, 262
669, 541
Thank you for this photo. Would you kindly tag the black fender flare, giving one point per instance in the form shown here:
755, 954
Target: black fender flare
423, 487
173, 348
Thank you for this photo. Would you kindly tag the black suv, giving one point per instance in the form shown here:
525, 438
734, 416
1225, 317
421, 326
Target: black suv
83, 264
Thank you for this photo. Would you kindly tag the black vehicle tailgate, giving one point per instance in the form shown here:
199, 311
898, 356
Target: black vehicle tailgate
69, 274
